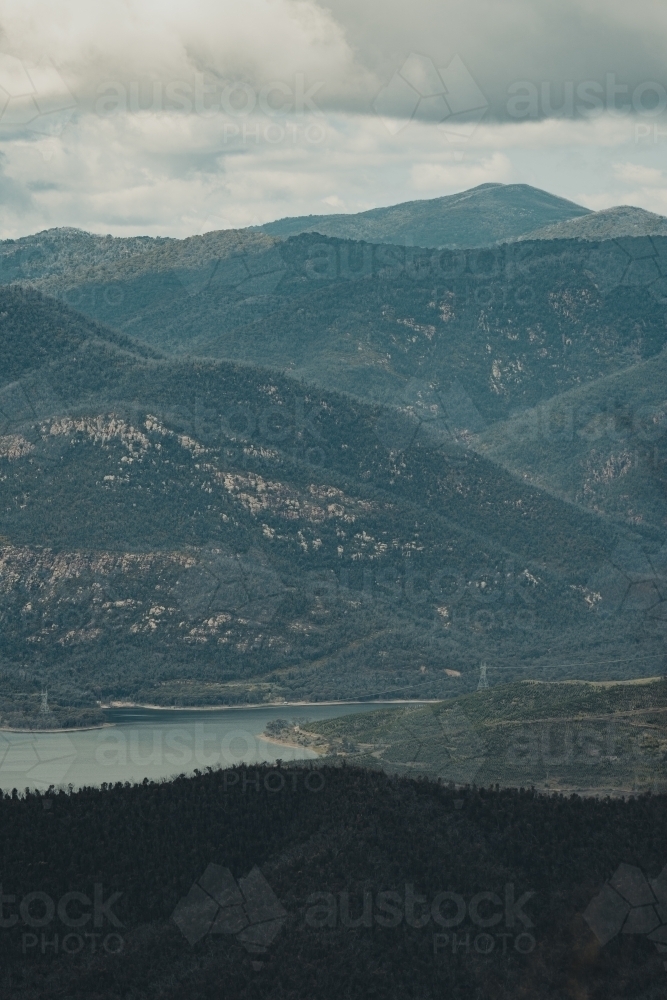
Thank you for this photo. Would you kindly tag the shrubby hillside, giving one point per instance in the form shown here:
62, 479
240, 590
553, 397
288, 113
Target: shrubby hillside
567, 736
182, 532
504, 328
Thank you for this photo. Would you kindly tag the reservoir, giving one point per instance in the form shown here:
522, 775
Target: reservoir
158, 743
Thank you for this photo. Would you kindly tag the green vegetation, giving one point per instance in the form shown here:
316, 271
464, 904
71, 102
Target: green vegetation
503, 329
201, 532
608, 224
602, 446
567, 736
23, 706
314, 468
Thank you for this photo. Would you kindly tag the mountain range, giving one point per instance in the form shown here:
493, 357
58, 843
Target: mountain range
241, 467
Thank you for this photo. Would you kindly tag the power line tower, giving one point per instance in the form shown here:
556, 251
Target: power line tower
483, 680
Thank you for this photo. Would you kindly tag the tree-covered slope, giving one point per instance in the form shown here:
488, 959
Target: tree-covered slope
504, 328
567, 736
205, 532
602, 445
271, 882
35, 331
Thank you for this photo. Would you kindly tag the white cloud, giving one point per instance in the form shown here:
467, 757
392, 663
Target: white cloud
432, 178
180, 174
172, 172
352, 49
636, 173
133, 43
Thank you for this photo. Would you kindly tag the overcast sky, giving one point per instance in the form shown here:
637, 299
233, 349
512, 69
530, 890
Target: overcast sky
147, 116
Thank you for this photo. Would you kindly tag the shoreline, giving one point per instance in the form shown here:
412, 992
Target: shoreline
265, 704
285, 743
209, 708
70, 729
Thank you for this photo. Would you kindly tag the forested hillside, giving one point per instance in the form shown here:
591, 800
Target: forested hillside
329, 883
602, 446
568, 736
506, 327
248, 468
200, 532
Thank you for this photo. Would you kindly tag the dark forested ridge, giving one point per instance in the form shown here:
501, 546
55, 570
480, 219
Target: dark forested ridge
354, 884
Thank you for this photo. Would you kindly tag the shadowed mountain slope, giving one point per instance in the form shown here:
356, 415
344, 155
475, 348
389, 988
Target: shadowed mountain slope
508, 326
603, 445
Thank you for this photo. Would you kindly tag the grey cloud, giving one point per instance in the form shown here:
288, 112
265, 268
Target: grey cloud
12, 192
345, 54
550, 44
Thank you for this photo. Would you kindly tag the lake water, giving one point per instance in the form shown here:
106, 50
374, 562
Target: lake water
153, 743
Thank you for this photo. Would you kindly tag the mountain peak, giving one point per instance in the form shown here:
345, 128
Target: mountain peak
480, 216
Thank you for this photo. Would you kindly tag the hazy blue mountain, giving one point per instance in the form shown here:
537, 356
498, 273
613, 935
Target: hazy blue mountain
482, 216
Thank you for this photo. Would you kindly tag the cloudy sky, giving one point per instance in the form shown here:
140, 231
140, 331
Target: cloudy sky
149, 116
